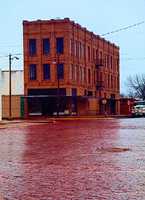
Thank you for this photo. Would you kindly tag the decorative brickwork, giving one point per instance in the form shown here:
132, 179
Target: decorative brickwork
90, 63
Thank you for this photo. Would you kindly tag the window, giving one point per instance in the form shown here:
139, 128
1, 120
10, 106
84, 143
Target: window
108, 60
108, 81
74, 92
105, 60
32, 47
80, 74
118, 83
89, 76
97, 76
93, 54
100, 55
89, 53
59, 45
46, 46
101, 76
111, 62
111, 82
71, 47
46, 71
77, 49
83, 80
32, 72
84, 51
80, 50
85, 74
96, 54
71, 72
60, 71
94, 76
75, 72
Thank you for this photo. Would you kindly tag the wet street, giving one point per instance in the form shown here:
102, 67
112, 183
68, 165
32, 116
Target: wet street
73, 160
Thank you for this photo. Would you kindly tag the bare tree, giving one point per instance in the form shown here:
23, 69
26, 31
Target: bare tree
136, 86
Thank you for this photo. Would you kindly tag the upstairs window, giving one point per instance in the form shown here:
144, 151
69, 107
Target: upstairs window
111, 62
46, 46
46, 71
32, 47
32, 72
89, 53
71, 47
59, 45
89, 76
60, 71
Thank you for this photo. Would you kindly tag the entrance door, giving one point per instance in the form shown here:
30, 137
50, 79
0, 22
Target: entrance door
112, 104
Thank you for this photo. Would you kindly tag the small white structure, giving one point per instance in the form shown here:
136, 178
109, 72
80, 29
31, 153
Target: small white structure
17, 84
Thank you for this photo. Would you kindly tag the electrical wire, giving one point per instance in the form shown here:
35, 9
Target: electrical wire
6, 56
124, 28
3, 45
130, 59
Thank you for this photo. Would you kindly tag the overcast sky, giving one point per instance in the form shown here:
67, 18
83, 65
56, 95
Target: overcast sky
99, 16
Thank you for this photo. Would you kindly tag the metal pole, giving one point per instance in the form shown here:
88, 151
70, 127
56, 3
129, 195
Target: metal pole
58, 85
58, 97
10, 86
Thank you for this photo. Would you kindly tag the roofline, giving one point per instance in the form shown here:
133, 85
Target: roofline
68, 20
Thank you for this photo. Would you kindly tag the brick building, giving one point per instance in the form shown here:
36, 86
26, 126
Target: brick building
69, 69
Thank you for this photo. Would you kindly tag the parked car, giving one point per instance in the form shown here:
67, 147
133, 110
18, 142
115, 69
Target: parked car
138, 111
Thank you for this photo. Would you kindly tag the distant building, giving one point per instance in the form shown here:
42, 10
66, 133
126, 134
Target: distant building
70, 69
17, 84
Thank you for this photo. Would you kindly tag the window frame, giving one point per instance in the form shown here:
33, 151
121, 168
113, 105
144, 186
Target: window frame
32, 72
46, 76
60, 74
46, 47
59, 45
32, 46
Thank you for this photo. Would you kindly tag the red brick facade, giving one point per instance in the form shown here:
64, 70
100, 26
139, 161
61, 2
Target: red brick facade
91, 64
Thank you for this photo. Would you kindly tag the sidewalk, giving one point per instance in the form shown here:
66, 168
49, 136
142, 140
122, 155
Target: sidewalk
60, 118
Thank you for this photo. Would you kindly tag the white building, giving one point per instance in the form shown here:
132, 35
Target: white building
17, 84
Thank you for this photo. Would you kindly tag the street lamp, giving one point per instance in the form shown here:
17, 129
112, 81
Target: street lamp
58, 84
10, 83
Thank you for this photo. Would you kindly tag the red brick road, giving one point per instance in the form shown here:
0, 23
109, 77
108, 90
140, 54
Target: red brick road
74, 160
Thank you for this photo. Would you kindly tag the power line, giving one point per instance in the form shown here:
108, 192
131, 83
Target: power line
3, 45
4, 56
130, 59
124, 28
15, 54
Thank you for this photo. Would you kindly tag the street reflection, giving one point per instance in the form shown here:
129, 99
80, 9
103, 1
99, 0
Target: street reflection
79, 159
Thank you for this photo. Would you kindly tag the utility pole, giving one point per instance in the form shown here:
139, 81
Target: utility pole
58, 86
10, 83
10, 86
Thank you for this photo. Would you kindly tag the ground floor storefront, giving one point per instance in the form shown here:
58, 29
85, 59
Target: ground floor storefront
44, 103
69, 105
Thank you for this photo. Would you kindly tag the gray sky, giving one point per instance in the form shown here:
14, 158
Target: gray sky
99, 16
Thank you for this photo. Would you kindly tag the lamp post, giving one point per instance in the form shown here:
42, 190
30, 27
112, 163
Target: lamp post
58, 84
10, 83
58, 92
